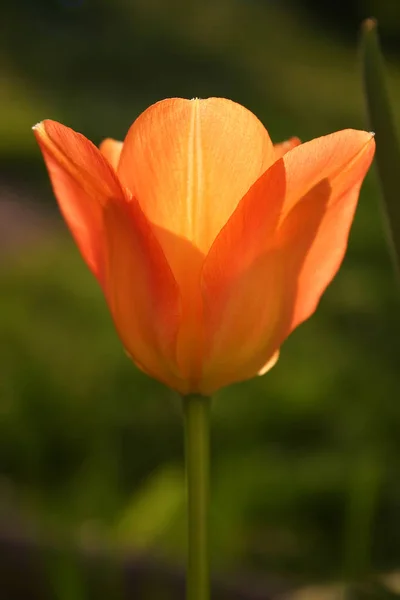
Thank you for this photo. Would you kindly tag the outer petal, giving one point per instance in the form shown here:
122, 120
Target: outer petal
251, 302
327, 251
83, 183
283, 147
189, 163
250, 275
142, 293
111, 149
335, 157
119, 245
239, 344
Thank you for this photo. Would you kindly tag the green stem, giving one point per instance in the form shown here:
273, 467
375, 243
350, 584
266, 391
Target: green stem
197, 450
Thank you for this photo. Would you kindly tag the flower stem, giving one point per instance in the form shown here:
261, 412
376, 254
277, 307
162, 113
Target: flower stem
197, 450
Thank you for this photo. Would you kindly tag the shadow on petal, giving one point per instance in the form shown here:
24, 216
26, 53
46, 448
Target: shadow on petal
296, 237
256, 304
186, 262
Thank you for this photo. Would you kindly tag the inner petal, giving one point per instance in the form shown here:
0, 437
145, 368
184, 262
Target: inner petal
111, 150
189, 162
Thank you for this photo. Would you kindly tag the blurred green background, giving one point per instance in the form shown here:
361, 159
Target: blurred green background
306, 460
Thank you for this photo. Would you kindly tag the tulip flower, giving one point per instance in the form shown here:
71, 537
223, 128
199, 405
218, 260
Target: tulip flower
211, 245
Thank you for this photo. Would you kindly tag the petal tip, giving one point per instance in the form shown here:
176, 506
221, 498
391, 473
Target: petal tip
38, 127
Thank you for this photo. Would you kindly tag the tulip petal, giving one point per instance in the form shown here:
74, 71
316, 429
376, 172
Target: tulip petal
279, 250
341, 157
111, 150
83, 183
242, 285
241, 323
141, 292
189, 163
118, 244
283, 147
249, 304
269, 364
327, 251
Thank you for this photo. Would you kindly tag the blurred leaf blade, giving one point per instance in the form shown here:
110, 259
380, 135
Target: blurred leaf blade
382, 123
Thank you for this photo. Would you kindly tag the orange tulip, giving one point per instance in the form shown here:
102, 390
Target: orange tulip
210, 243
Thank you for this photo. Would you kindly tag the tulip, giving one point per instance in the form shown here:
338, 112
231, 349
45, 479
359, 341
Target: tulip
211, 245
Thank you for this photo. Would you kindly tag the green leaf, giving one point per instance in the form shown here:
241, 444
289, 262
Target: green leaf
382, 123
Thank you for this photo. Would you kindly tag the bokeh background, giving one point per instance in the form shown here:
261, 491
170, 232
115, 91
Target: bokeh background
306, 460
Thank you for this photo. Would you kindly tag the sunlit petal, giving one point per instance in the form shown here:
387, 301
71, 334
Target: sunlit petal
189, 162
83, 183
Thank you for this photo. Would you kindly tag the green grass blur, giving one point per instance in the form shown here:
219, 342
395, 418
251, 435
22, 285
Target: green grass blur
306, 460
